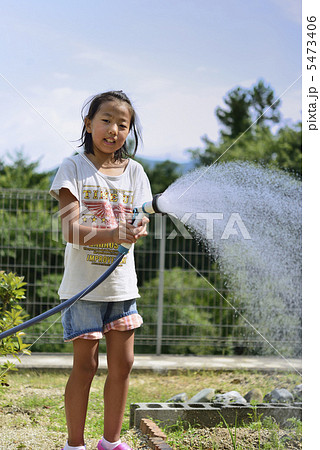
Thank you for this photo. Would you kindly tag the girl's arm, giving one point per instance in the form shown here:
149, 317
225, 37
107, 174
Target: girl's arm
78, 234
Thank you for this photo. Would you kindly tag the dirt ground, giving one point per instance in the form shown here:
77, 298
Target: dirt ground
32, 436
219, 439
245, 439
29, 426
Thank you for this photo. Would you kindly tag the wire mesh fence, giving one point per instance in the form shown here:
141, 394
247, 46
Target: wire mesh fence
184, 300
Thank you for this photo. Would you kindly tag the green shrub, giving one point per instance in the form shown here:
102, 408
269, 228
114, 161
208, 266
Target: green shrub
191, 311
11, 315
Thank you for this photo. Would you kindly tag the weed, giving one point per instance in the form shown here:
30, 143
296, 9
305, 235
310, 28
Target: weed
233, 438
296, 426
294, 431
37, 396
270, 424
256, 424
177, 432
274, 442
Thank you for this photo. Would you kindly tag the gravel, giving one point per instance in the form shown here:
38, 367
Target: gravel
35, 436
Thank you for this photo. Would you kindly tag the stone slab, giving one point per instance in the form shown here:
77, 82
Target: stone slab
209, 414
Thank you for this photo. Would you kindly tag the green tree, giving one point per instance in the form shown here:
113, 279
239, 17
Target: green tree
251, 147
161, 175
26, 219
263, 103
286, 151
246, 107
282, 150
191, 311
21, 174
236, 117
256, 106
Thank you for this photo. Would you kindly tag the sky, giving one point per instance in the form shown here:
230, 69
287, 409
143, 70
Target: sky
176, 60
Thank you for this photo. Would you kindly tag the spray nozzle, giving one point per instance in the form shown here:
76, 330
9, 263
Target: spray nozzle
147, 208
152, 206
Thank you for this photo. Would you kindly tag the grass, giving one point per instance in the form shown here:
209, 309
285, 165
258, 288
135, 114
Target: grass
35, 398
258, 435
232, 436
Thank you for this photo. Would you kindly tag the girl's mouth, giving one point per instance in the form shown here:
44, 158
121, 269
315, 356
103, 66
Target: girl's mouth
109, 141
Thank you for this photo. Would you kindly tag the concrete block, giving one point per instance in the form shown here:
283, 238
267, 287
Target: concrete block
208, 414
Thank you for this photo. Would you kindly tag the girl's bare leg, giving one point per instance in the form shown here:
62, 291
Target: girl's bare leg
120, 356
85, 364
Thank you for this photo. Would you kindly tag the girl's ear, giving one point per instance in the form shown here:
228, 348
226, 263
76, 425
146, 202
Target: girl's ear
87, 123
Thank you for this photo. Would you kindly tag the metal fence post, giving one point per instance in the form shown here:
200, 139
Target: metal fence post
161, 283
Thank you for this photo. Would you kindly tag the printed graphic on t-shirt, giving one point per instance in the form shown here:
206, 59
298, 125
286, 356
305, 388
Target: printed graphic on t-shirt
103, 208
103, 254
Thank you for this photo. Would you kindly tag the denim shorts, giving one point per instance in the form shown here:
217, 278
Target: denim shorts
91, 319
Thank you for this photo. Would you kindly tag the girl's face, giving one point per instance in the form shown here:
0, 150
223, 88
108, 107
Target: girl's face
109, 127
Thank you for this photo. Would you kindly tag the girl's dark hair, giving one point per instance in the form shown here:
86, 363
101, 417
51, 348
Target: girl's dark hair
95, 103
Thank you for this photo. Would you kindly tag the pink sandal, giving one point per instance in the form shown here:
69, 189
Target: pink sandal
121, 446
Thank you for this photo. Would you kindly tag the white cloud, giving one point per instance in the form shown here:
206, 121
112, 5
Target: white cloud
115, 63
291, 9
174, 117
45, 127
291, 105
176, 106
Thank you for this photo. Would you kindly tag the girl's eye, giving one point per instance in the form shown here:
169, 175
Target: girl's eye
124, 127
105, 120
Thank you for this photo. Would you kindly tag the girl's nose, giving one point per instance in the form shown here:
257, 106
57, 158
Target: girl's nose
113, 129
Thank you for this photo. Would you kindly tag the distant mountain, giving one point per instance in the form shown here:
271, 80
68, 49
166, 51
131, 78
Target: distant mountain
183, 167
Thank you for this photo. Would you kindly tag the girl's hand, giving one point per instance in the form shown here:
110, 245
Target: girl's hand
74, 233
142, 227
125, 232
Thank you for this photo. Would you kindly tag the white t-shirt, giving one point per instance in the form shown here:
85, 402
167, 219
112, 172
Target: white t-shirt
102, 200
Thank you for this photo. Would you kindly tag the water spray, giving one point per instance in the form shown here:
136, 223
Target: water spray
263, 271
146, 209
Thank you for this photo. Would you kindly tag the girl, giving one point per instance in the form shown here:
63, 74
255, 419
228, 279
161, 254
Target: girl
97, 190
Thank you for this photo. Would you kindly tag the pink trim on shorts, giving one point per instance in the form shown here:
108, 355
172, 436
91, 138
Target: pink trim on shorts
125, 323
